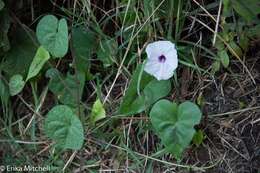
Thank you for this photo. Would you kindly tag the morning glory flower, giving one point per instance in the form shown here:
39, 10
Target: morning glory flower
162, 59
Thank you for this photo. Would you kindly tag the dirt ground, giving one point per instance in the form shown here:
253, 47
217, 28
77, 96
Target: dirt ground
232, 125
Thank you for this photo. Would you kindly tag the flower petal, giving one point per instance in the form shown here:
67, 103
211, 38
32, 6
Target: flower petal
158, 48
161, 70
172, 58
158, 70
152, 51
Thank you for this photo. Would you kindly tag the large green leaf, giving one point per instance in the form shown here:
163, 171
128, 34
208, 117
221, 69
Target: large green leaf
16, 84
131, 93
175, 124
150, 90
67, 89
53, 35
83, 43
20, 56
39, 60
64, 127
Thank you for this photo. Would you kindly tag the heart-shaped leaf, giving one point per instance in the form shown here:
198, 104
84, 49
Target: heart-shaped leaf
42, 56
64, 127
20, 56
175, 124
53, 35
16, 84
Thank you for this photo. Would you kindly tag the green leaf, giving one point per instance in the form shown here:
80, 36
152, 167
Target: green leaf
226, 7
16, 84
64, 127
98, 112
131, 93
224, 58
244, 41
215, 67
39, 60
83, 44
235, 48
23, 48
53, 35
67, 89
198, 138
107, 51
175, 124
254, 31
201, 100
150, 92
248, 9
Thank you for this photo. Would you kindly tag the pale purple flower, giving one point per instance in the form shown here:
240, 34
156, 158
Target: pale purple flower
162, 59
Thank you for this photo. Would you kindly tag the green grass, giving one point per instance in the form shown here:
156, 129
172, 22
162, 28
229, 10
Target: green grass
121, 31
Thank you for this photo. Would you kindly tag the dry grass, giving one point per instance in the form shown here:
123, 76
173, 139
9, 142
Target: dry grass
230, 102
